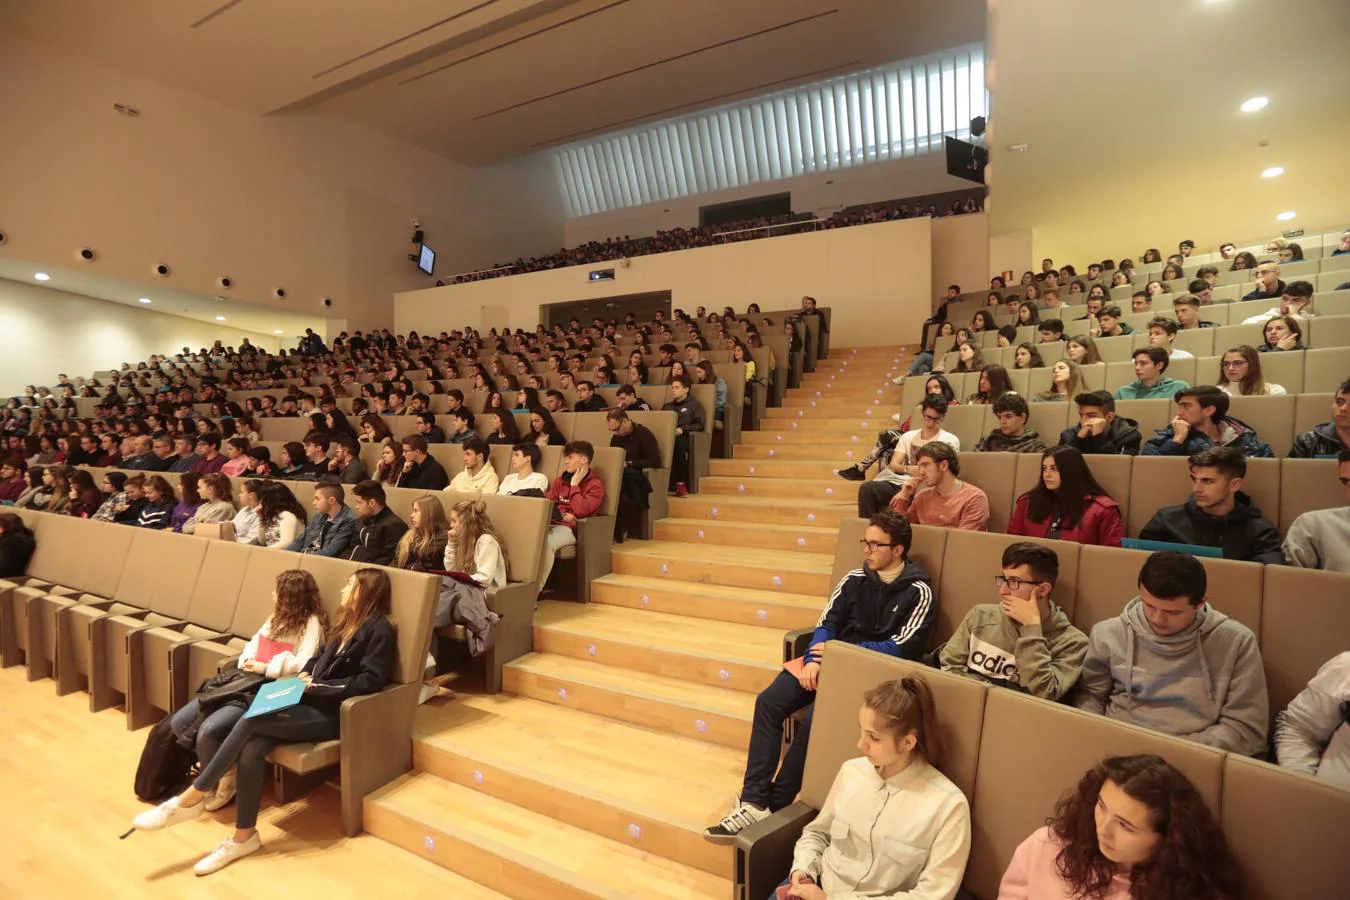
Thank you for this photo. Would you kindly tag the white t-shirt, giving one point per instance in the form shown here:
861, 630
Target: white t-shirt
1234, 389
1180, 354
514, 484
909, 444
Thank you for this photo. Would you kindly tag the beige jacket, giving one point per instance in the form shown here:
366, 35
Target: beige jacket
484, 481
906, 837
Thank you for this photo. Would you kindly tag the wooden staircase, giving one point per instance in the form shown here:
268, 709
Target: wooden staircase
623, 735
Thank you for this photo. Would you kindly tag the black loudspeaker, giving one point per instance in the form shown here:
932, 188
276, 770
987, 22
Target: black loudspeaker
966, 160
417, 236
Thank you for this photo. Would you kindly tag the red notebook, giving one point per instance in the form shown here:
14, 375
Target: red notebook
462, 577
268, 648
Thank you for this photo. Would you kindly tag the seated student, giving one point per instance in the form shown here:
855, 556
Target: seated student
1050, 331
291, 463
1240, 374
38, 493
690, 419
577, 493
1282, 333
235, 451
1329, 438
902, 459
1026, 356
523, 479
420, 471
1150, 364
217, 496
246, 525
426, 426
1024, 641
1320, 538
357, 660
260, 463
1065, 380
629, 400
1099, 429
1067, 503
1173, 663
1141, 301
17, 543
1012, 435
85, 497
281, 517
904, 801
332, 529
1268, 283
936, 384
378, 528
641, 452
555, 402
1202, 422
543, 430
587, 399
422, 546
346, 465
473, 549
11, 480
1134, 828
1109, 320
209, 457
287, 640
945, 500
1162, 332
1218, 513
190, 499
993, 383
160, 500
1295, 301
887, 606
477, 477
1186, 308
1313, 734
461, 426
502, 427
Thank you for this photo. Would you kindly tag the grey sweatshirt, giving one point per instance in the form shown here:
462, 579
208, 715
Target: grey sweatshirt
1043, 660
1320, 539
1205, 683
1313, 734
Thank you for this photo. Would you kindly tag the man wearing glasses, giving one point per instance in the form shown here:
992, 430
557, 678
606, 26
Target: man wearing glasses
888, 606
1268, 283
1024, 641
899, 449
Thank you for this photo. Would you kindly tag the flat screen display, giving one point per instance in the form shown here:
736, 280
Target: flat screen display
426, 260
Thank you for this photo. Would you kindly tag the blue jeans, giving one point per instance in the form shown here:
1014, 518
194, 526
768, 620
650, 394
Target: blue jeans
922, 364
249, 742
213, 730
762, 787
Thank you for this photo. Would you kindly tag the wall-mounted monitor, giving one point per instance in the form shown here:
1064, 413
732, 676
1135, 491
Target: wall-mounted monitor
426, 259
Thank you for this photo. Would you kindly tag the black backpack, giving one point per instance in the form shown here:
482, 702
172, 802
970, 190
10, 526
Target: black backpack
165, 765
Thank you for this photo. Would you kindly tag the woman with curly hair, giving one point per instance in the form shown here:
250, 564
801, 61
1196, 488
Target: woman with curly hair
1134, 829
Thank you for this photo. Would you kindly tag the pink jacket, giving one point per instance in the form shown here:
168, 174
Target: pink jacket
1032, 874
1100, 523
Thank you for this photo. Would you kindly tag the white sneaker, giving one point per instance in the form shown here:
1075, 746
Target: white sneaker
226, 853
224, 793
899, 379
897, 418
736, 821
167, 814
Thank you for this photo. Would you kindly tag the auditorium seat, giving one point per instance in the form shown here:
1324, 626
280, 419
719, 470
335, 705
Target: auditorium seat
1325, 369
994, 473
1304, 623
1272, 417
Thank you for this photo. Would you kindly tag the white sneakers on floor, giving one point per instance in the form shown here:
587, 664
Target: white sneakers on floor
223, 794
166, 815
226, 853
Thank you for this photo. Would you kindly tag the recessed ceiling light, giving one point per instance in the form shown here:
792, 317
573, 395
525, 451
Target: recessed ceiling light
42, 276
1254, 104
145, 300
220, 318
278, 331
1285, 216
1273, 172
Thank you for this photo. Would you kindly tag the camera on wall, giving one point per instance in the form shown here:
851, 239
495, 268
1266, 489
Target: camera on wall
279, 293
225, 281
162, 270
3, 237
86, 254
327, 301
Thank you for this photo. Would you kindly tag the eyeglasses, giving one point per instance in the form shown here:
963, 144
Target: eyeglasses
933, 419
1013, 583
1233, 363
874, 546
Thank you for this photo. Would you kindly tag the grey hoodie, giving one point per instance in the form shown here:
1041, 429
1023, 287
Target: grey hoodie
1205, 683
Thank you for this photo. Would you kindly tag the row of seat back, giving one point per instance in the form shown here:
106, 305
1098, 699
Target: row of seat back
1299, 616
1278, 420
1014, 756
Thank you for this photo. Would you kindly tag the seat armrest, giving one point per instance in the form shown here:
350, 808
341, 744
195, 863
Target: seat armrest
514, 634
595, 535
700, 450
764, 850
376, 745
795, 643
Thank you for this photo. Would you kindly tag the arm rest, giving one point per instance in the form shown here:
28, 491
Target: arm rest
700, 450
376, 745
764, 850
514, 635
658, 500
796, 642
595, 535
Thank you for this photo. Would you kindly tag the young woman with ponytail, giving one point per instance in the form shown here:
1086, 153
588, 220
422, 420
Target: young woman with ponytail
892, 797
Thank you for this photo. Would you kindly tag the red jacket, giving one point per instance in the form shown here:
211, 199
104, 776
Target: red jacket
1100, 523
582, 501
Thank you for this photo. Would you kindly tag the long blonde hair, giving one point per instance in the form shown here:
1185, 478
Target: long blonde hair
431, 522
372, 595
473, 523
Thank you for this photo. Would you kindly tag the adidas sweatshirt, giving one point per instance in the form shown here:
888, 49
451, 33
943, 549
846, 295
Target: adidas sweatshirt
1043, 660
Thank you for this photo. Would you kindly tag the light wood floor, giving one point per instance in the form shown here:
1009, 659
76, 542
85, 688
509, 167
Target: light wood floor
66, 782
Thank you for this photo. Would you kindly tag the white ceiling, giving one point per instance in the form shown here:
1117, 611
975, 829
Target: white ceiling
481, 81
1135, 140
203, 308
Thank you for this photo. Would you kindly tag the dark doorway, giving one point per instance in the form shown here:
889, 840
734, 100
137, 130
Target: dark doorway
643, 306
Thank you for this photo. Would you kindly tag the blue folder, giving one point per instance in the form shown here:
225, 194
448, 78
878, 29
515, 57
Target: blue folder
276, 695
1155, 546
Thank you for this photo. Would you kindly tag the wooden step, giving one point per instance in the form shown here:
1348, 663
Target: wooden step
834, 489
771, 570
651, 791
839, 406
754, 535
881, 390
823, 424
829, 411
720, 654
848, 437
819, 469
717, 715
827, 450
520, 852
768, 510
771, 609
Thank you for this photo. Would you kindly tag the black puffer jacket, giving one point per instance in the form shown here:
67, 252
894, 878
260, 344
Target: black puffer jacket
1242, 534
890, 618
1122, 437
16, 549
